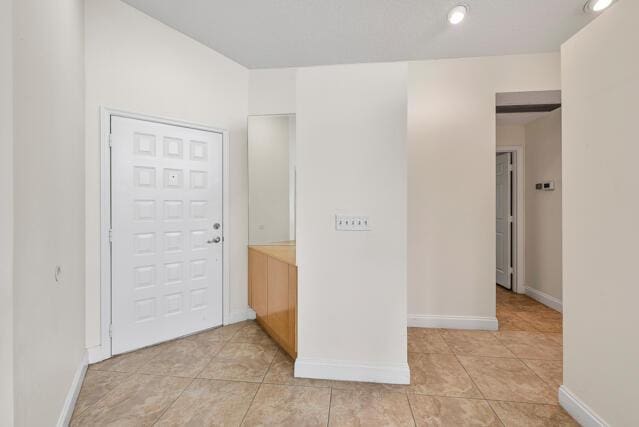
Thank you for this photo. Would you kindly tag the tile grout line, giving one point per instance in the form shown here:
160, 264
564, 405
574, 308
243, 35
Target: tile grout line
535, 373
490, 405
259, 387
248, 408
464, 368
330, 403
469, 376
208, 362
410, 406
173, 402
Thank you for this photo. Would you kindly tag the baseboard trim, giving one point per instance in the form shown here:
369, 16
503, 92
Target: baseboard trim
72, 394
348, 371
97, 354
453, 322
545, 299
237, 316
579, 410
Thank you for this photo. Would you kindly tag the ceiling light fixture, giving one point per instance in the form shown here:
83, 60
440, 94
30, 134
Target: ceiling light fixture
458, 13
597, 5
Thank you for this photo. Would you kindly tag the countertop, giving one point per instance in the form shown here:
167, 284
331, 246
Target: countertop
284, 251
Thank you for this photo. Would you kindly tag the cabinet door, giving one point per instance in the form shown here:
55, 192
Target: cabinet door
257, 283
278, 306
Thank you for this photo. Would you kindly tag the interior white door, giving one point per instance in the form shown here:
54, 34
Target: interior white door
166, 218
504, 220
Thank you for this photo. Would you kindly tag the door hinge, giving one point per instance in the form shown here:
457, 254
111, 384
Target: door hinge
111, 331
510, 167
110, 235
511, 270
110, 140
510, 218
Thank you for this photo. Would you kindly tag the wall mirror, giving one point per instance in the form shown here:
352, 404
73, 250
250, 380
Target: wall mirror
271, 166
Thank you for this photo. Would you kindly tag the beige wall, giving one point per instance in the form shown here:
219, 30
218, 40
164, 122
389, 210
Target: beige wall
135, 63
600, 89
451, 177
6, 213
351, 131
511, 135
543, 208
48, 205
272, 91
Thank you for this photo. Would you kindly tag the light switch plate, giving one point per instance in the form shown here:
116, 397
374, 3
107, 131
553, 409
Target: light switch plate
352, 223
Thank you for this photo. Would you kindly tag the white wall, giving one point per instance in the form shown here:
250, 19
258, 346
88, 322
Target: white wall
272, 91
6, 213
48, 205
600, 88
351, 157
268, 151
543, 208
451, 180
135, 63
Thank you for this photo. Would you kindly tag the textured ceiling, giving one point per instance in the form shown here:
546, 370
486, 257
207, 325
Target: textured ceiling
291, 33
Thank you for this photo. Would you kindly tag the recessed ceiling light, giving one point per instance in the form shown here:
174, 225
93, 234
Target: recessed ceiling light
457, 14
597, 5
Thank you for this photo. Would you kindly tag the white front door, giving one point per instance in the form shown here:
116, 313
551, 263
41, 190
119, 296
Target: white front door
166, 219
503, 220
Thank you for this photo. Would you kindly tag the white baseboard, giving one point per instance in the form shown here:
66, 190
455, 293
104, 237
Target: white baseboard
579, 410
74, 390
453, 322
236, 316
545, 299
349, 371
97, 354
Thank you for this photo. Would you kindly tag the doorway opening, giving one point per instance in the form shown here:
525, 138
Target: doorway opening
507, 220
528, 195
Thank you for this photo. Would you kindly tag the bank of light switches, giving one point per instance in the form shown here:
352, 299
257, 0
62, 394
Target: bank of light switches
352, 223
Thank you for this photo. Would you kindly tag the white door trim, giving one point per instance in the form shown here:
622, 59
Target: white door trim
104, 351
519, 234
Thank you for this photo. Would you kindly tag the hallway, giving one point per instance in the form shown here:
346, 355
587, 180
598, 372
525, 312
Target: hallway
235, 375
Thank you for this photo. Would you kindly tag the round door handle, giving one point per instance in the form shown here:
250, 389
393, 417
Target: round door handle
217, 239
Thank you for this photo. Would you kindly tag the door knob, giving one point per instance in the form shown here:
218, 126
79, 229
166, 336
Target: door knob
216, 239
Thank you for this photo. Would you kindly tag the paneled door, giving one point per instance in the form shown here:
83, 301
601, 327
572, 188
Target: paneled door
166, 201
504, 220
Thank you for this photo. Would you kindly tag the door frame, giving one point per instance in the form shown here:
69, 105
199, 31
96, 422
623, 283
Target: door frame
105, 217
518, 235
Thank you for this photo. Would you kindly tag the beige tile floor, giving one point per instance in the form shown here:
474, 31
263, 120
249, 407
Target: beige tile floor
235, 375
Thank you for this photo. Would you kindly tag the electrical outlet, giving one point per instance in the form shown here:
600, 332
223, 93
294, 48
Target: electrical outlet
352, 223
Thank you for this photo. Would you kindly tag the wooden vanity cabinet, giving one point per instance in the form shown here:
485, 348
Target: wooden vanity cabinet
273, 294
258, 267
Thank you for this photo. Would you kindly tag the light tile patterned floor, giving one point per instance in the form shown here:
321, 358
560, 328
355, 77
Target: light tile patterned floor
236, 375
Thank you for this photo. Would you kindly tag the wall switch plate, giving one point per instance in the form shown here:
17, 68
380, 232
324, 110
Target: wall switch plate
545, 186
352, 223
